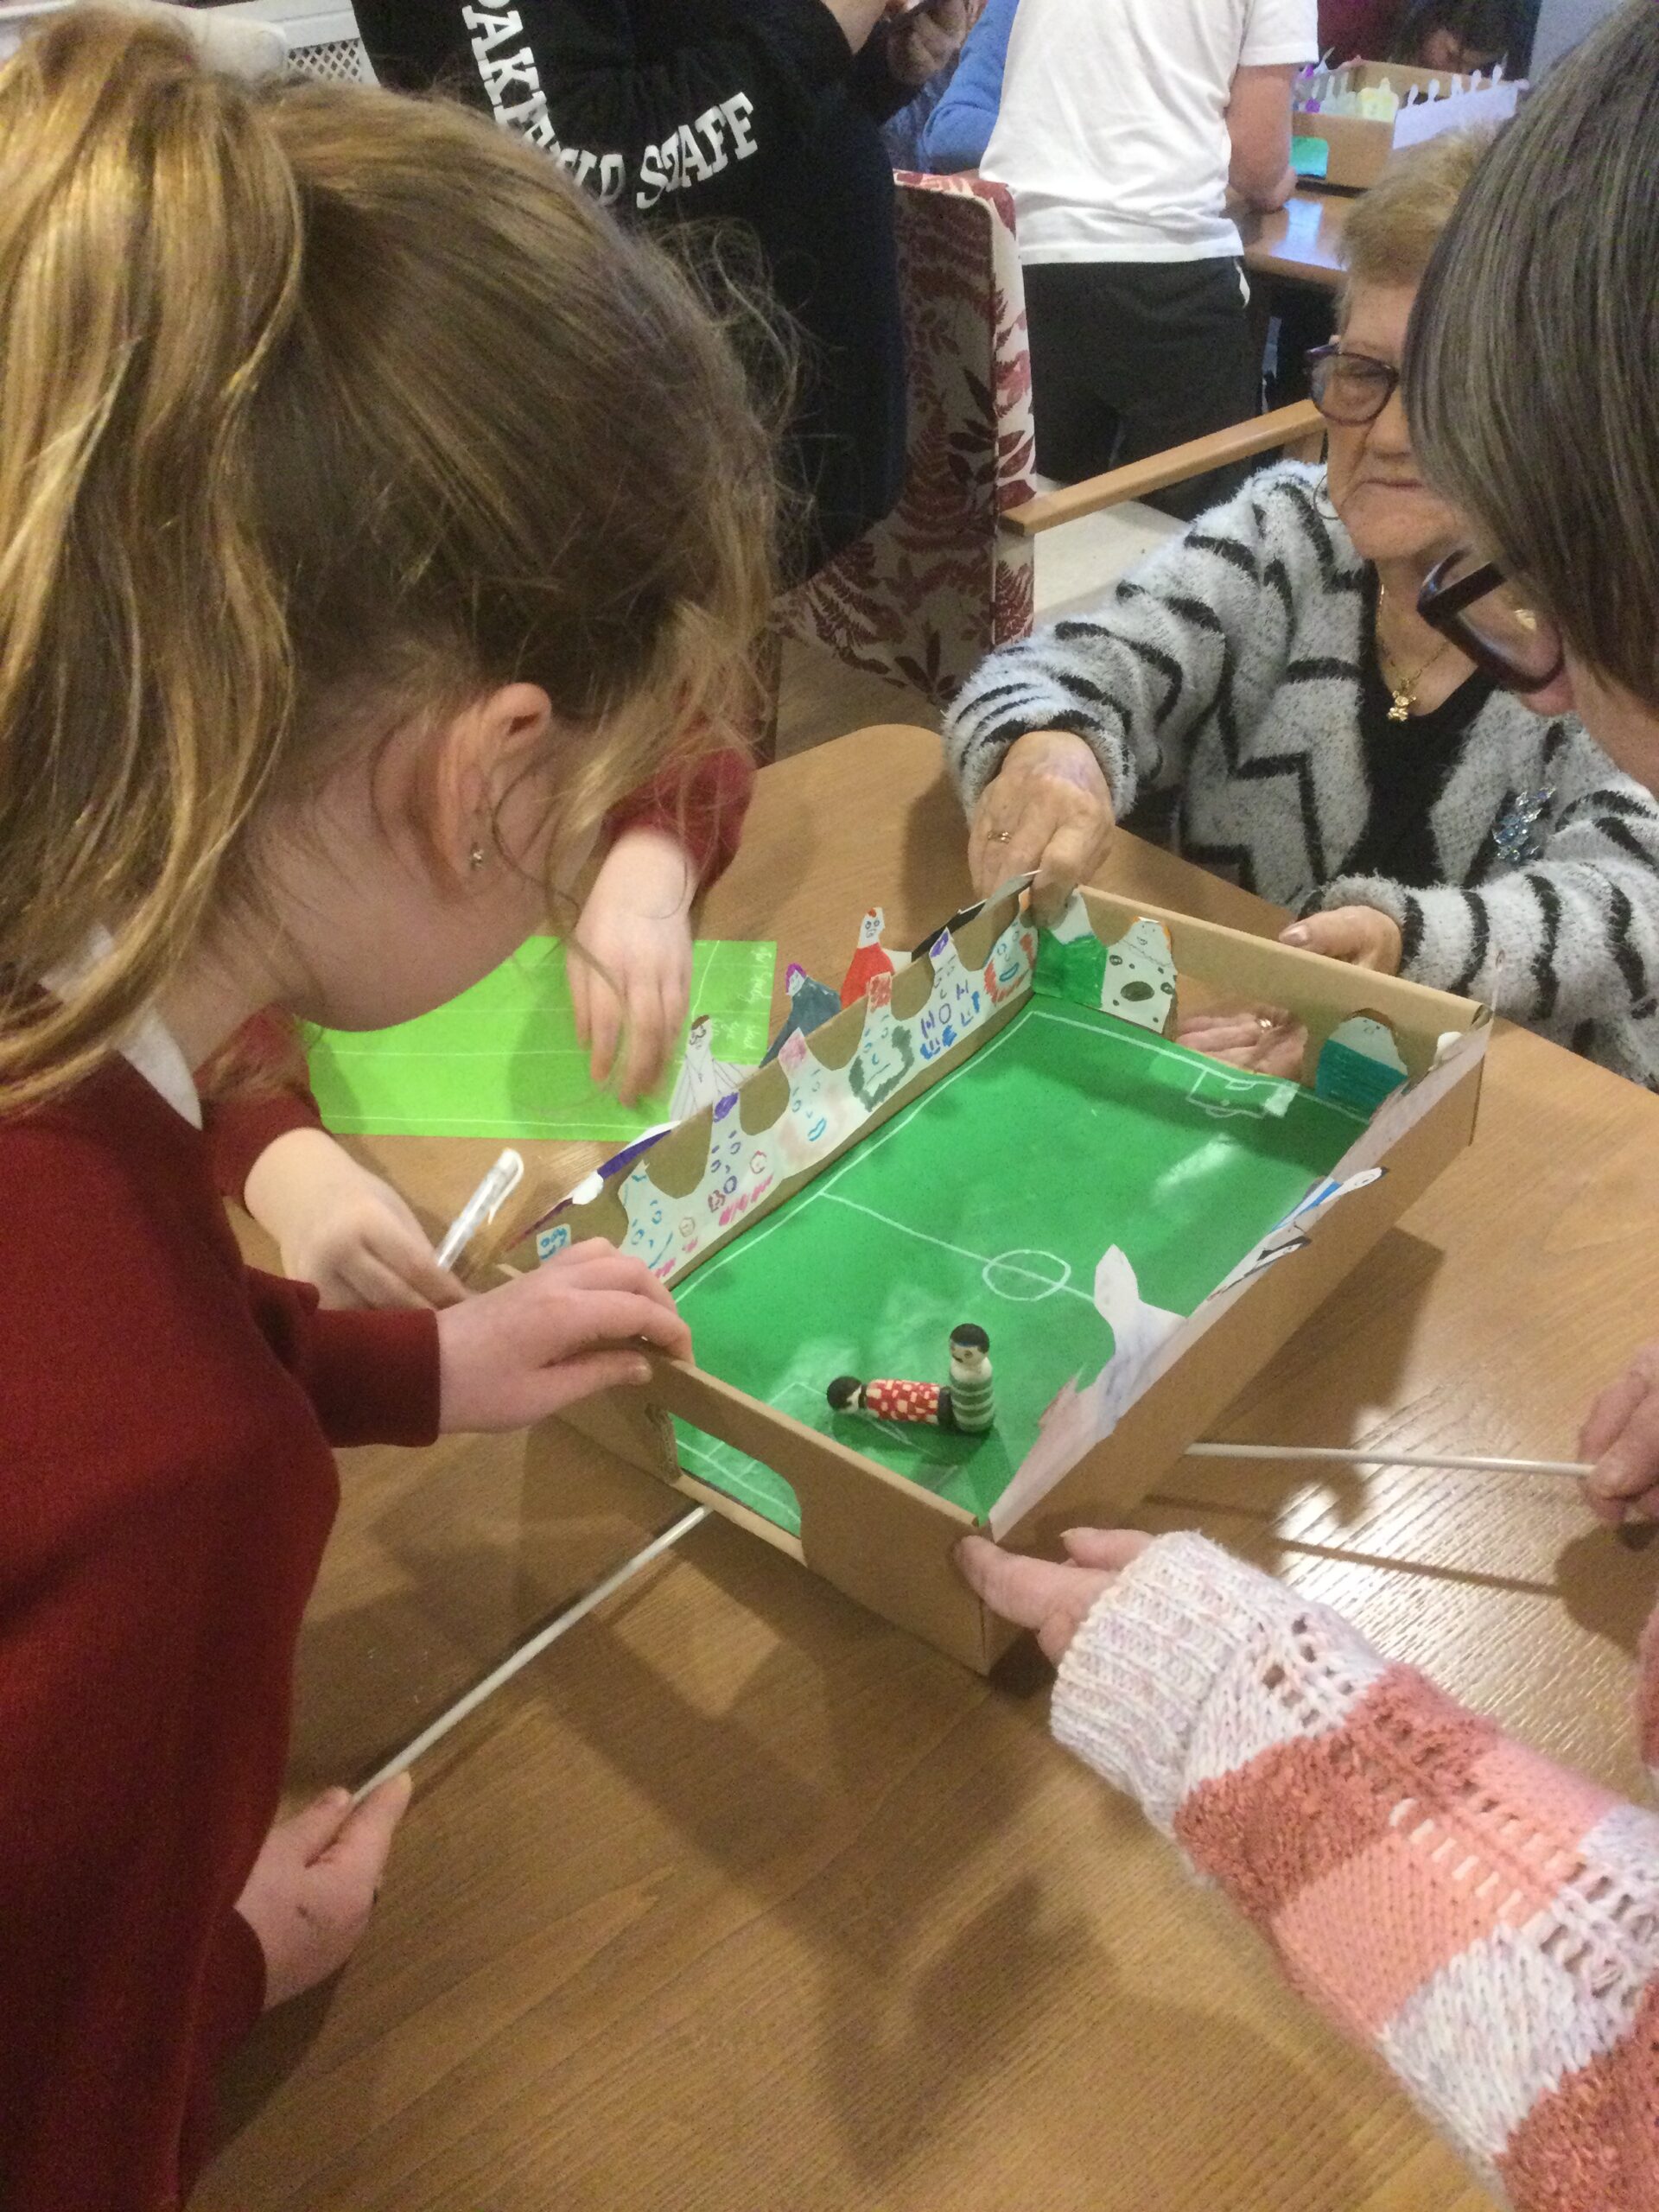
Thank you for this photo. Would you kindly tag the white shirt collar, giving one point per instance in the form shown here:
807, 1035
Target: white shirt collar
150, 1045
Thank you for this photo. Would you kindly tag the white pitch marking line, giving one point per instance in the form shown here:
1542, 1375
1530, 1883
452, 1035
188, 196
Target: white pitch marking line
822, 1185
978, 1258
1047, 1285
1165, 1049
864, 1151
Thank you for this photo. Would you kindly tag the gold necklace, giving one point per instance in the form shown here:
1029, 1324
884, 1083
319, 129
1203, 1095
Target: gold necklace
1403, 696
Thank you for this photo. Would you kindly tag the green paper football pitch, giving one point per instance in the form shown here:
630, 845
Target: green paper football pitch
502, 1060
992, 1198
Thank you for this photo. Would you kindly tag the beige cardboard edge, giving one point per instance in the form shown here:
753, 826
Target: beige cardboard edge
1112, 1478
879, 1539
887, 1542
1323, 994
1023, 1496
683, 1153
937, 1606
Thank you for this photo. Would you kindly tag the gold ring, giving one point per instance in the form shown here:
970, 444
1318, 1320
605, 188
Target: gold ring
1264, 1022
1003, 837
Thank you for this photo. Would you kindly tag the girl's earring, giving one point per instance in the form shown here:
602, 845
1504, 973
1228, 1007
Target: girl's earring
475, 857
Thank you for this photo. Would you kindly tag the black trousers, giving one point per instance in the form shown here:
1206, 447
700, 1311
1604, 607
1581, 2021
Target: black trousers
1128, 357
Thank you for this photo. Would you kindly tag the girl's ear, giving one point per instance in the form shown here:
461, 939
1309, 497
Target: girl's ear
484, 754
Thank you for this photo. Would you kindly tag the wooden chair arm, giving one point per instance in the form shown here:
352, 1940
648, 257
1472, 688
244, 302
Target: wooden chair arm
1284, 426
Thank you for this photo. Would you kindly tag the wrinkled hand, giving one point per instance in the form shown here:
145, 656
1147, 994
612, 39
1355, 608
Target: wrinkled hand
575, 1325
1266, 1039
1036, 1593
343, 1229
313, 1885
922, 42
1051, 798
636, 984
1621, 1435
1363, 935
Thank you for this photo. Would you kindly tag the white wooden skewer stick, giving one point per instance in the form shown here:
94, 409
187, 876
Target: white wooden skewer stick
532, 1649
1380, 1456
485, 1203
1343, 1455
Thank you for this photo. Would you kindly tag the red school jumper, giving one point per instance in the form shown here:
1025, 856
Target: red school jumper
166, 1489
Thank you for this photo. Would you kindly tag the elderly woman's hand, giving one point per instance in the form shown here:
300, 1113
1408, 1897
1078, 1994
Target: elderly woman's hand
922, 40
1049, 810
1363, 935
1264, 1039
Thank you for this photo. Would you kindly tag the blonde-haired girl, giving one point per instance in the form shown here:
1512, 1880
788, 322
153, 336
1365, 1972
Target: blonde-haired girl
373, 518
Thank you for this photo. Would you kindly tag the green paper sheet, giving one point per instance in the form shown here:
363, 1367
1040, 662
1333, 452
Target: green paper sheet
993, 1199
502, 1060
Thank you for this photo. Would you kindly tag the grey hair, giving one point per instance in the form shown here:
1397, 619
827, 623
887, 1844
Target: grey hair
1532, 369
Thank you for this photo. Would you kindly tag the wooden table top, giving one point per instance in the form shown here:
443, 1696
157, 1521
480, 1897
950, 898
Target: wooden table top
1302, 240
741, 1901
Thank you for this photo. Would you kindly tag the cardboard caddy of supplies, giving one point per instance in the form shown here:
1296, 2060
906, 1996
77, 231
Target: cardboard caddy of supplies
1363, 146
1105, 1440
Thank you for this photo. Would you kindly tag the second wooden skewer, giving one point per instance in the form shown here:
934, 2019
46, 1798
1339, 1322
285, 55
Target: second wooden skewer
1381, 1456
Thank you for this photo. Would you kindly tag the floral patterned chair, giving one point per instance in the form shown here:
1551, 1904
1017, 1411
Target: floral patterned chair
924, 596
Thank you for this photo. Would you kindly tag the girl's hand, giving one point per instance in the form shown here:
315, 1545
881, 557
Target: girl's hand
1621, 1435
636, 927
343, 1229
921, 42
1266, 1039
314, 1884
1362, 936
1055, 1600
578, 1323
1050, 798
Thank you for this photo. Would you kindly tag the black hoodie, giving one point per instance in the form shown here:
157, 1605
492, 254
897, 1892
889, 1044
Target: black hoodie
671, 110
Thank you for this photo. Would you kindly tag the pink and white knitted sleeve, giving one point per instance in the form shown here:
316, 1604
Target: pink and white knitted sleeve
1488, 1922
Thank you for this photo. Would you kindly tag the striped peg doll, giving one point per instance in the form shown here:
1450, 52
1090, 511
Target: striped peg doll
972, 1394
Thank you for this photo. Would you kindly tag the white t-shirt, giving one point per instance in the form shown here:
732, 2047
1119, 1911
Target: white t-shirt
1112, 129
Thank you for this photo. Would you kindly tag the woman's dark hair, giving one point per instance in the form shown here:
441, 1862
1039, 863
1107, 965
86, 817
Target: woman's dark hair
1486, 30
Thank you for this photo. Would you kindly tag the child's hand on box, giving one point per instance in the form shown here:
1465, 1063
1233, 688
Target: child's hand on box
1048, 809
631, 990
581, 1322
1036, 1593
341, 1228
1363, 935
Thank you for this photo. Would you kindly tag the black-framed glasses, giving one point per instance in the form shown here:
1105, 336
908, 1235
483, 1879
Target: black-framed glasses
1474, 604
1349, 388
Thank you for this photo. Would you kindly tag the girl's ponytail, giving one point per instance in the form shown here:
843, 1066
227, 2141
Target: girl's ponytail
151, 240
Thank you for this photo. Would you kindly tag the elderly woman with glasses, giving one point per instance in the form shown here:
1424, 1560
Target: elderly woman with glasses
1266, 693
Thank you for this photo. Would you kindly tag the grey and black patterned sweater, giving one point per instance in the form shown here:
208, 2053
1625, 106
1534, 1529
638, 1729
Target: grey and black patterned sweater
1224, 687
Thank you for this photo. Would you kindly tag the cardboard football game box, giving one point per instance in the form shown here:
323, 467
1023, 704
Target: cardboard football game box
1004, 1133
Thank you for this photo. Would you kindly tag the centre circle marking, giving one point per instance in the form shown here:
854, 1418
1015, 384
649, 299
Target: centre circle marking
1025, 1276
